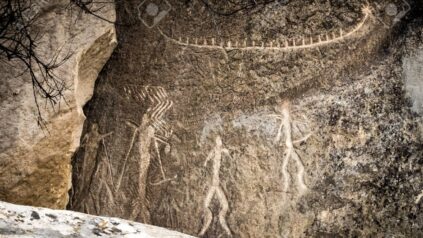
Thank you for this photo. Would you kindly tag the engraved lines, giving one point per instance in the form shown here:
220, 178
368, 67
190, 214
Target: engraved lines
286, 129
91, 143
158, 97
419, 198
215, 189
93, 161
151, 123
277, 45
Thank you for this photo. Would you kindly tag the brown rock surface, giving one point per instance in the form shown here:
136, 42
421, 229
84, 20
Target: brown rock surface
35, 163
220, 140
293, 119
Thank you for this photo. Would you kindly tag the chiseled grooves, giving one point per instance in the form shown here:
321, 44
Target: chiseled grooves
287, 44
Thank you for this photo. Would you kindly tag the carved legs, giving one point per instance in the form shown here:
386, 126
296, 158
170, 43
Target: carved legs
300, 173
223, 210
208, 215
285, 173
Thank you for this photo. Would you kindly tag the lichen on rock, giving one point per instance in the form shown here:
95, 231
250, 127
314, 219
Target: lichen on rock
35, 222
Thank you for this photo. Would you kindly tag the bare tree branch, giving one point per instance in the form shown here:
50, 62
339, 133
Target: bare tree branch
19, 45
18, 42
92, 7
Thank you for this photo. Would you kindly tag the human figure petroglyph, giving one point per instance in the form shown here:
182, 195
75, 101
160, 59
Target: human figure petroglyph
145, 135
215, 189
285, 128
107, 181
152, 129
91, 142
288, 44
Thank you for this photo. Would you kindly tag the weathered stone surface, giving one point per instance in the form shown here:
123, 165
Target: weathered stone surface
26, 221
34, 163
413, 71
257, 141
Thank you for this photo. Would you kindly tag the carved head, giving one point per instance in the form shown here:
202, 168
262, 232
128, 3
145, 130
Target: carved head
167, 149
218, 141
94, 127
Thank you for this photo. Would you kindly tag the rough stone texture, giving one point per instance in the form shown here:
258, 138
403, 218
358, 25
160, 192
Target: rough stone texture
34, 163
413, 70
26, 221
317, 142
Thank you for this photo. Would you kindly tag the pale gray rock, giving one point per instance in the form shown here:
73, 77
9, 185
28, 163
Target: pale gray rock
26, 221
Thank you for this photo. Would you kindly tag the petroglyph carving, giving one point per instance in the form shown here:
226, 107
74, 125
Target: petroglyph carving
336, 37
286, 128
419, 198
161, 139
91, 139
215, 189
156, 96
93, 161
152, 129
240, 72
90, 142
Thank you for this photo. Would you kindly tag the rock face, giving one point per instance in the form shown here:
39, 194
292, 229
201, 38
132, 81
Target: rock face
25, 221
35, 163
413, 69
284, 121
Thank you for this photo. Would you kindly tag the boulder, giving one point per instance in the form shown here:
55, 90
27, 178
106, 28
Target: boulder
286, 120
28, 221
35, 163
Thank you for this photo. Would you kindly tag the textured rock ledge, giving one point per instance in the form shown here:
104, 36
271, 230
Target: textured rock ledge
26, 221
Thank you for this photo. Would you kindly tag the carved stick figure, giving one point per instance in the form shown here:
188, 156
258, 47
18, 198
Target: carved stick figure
90, 142
151, 123
92, 138
216, 155
286, 125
